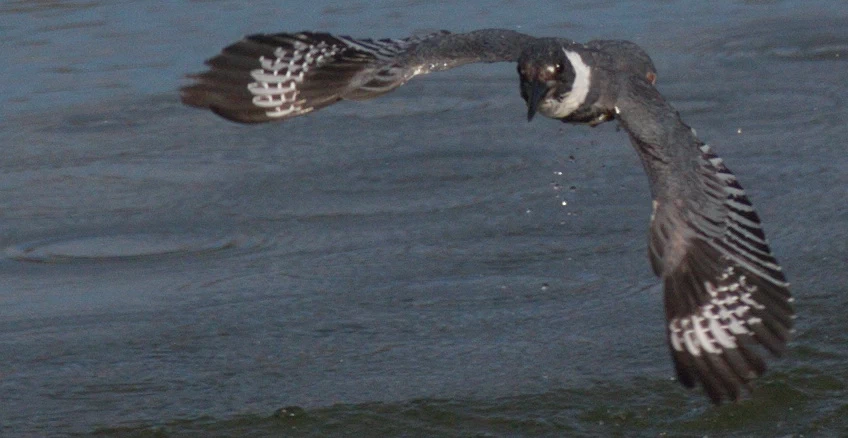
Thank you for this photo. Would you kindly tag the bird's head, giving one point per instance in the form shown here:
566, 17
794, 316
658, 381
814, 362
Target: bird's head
554, 80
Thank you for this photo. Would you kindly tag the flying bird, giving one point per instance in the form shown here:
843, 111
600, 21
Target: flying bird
725, 295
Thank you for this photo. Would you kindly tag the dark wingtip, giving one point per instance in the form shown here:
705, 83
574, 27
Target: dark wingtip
717, 310
191, 96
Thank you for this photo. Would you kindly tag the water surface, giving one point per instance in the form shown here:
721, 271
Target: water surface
426, 264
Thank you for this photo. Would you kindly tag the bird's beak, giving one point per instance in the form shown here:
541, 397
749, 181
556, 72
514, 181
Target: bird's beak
535, 91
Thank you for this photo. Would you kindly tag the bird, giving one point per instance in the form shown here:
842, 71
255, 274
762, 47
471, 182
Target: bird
725, 295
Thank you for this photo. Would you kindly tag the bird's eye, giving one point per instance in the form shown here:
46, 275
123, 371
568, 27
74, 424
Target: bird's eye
555, 69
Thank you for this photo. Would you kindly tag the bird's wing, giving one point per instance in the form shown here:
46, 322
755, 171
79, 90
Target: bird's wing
274, 77
724, 291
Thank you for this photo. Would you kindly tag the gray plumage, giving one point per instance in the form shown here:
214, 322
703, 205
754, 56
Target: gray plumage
724, 290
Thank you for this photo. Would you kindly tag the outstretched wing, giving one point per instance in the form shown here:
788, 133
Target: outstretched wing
724, 290
274, 77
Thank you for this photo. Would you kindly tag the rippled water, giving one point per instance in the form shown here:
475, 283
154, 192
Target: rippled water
426, 264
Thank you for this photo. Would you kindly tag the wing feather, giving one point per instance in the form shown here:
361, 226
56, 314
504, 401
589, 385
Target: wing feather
725, 292
275, 77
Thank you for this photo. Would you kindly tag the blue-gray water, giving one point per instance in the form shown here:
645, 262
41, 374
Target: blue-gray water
426, 264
